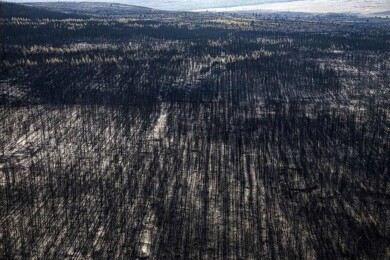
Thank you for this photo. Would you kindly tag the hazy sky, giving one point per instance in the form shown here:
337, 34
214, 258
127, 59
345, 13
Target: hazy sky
175, 4
317, 6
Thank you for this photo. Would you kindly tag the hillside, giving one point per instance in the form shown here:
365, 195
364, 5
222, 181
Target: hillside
12, 10
92, 8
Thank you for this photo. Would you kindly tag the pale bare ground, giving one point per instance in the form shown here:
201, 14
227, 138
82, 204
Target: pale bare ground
314, 6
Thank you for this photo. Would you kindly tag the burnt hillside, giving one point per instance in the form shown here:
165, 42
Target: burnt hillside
194, 136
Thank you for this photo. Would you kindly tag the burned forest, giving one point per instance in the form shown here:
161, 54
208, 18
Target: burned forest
143, 134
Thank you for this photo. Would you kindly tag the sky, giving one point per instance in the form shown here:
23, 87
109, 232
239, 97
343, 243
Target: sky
175, 5
314, 6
